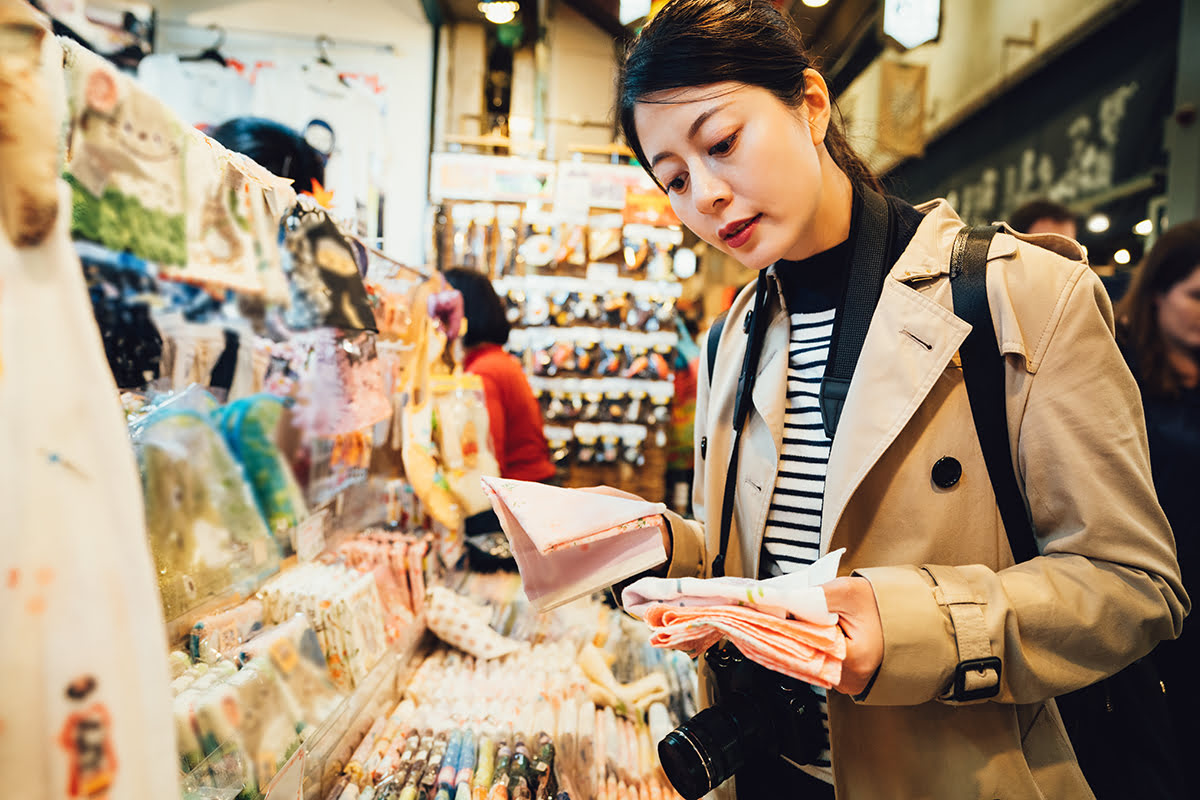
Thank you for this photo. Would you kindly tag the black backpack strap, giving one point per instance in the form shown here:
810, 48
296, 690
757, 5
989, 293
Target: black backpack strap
983, 373
714, 341
870, 229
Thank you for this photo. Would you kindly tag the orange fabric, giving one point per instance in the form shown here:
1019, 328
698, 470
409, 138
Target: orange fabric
807, 652
513, 414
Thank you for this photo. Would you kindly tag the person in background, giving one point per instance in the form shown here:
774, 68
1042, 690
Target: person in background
954, 654
1158, 328
1044, 216
282, 150
513, 414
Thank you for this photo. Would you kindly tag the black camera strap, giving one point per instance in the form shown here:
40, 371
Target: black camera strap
870, 228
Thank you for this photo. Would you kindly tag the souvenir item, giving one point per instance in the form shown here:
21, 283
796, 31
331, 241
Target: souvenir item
205, 529
464, 624
562, 556
89, 718
326, 287
249, 425
125, 163
604, 236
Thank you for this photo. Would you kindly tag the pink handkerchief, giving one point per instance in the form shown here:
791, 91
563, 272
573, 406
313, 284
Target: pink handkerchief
782, 623
569, 543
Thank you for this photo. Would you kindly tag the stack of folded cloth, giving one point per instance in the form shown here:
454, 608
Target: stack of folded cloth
782, 623
569, 543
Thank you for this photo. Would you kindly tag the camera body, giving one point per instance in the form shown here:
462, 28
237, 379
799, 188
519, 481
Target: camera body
759, 717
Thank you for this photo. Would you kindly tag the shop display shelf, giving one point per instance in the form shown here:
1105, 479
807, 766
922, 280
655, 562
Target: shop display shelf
331, 745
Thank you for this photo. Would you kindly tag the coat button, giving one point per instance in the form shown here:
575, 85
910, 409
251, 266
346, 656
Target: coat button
946, 472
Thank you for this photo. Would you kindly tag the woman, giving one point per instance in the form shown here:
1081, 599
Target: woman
1159, 331
954, 654
513, 414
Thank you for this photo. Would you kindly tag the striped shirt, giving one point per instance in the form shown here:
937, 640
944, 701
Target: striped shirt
792, 536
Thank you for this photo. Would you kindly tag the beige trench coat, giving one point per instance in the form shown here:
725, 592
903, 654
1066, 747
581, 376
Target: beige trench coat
1105, 590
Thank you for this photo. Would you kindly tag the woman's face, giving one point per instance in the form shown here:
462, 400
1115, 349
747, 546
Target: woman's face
744, 171
1179, 312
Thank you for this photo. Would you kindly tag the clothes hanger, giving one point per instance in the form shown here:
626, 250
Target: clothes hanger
323, 74
212, 53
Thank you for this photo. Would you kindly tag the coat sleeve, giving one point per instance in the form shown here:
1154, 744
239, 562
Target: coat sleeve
1107, 586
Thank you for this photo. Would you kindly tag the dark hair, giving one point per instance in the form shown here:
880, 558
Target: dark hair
1042, 208
486, 321
279, 148
701, 42
1174, 257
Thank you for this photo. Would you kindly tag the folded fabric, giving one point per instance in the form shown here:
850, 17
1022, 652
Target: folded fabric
458, 621
800, 649
570, 543
782, 623
797, 594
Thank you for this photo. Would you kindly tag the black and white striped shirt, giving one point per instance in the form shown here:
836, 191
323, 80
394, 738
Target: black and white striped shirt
792, 537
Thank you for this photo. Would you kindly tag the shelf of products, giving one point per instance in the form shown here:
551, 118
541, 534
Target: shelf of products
571, 709
587, 258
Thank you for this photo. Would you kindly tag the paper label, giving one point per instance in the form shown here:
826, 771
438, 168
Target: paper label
310, 536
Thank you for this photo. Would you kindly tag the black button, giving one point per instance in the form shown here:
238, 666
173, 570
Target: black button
703, 447
946, 472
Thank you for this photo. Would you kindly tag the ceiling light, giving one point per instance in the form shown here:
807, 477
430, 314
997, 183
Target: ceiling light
1121, 256
500, 12
1098, 223
1144, 228
815, 3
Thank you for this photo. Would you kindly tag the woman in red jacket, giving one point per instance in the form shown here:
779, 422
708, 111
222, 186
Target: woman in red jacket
513, 414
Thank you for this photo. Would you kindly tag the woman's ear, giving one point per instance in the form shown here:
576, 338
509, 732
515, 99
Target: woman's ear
817, 105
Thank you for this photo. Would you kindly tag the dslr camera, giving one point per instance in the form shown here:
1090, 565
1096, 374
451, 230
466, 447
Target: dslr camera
759, 717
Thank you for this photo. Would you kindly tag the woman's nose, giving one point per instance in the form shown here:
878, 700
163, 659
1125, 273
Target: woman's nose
711, 193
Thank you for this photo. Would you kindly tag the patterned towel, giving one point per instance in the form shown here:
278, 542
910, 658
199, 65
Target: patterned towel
781, 623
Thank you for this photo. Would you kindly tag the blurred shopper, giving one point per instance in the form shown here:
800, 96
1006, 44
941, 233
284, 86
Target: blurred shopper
1159, 332
953, 653
1047, 216
513, 414
1044, 216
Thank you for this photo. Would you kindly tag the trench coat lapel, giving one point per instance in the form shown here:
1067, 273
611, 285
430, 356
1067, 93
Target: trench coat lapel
911, 340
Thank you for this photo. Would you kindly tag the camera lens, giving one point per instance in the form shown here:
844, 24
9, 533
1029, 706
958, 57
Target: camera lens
703, 752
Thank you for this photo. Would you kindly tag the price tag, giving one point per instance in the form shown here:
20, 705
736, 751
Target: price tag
310, 536
288, 783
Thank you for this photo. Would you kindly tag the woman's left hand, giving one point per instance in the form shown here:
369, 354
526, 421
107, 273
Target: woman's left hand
853, 600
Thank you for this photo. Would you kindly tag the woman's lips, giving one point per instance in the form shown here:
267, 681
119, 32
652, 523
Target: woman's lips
738, 233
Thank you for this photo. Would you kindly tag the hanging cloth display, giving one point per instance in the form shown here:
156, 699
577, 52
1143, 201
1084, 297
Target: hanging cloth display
78, 603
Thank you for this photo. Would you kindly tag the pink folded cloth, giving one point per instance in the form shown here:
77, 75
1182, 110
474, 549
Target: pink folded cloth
570, 543
803, 650
783, 623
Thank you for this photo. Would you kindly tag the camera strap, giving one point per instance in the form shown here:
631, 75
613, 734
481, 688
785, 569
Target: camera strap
871, 229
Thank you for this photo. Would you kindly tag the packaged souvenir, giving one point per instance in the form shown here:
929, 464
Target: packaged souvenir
125, 163
206, 533
220, 635
604, 236
325, 283
572, 245
250, 425
539, 243
295, 652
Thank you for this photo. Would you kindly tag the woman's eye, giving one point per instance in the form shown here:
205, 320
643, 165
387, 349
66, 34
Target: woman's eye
722, 147
677, 184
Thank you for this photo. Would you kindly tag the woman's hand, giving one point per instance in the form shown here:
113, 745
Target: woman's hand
853, 600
